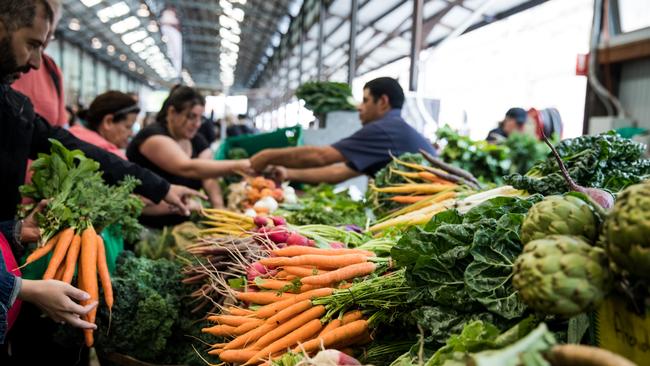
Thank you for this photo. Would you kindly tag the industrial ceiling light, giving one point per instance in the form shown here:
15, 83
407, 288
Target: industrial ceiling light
138, 47
143, 11
125, 25
135, 36
114, 11
152, 27
140, 70
90, 3
74, 24
96, 43
123, 57
132, 66
110, 49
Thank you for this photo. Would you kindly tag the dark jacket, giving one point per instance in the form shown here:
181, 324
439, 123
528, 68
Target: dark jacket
24, 134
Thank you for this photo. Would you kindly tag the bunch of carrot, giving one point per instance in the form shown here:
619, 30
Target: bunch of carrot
290, 321
225, 223
85, 252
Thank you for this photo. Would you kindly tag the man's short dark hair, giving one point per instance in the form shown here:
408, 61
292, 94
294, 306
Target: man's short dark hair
388, 87
16, 14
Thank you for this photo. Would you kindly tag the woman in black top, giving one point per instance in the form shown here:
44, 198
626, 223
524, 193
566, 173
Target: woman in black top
172, 148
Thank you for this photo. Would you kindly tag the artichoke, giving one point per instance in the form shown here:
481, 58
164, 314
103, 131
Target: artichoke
562, 275
626, 230
560, 215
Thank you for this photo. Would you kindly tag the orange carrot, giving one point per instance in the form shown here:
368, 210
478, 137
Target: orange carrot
304, 271
290, 311
232, 320
321, 261
351, 316
250, 337
233, 310
220, 330
40, 252
89, 268
299, 334
277, 285
294, 323
296, 250
246, 327
409, 199
341, 274
59, 272
339, 336
71, 259
104, 276
272, 309
237, 356
433, 178
335, 323
60, 251
262, 298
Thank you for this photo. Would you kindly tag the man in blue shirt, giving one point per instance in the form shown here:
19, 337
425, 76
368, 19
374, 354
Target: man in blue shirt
384, 132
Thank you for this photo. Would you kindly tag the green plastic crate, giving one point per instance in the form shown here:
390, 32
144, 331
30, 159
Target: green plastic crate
282, 137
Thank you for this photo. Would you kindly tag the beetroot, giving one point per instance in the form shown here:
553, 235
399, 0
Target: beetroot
297, 239
600, 196
337, 245
279, 220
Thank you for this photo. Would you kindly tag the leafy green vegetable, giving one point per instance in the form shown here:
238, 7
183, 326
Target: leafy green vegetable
605, 161
525, 151
475, 336
322, 97
320, 205
237, 153
78, 196
526, 352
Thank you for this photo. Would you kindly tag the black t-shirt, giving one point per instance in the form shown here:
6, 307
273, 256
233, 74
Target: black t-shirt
497, 134
369, 149
199, 144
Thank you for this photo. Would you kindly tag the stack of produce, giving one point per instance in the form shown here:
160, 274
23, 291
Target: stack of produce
79, 201
322, 97
258, 196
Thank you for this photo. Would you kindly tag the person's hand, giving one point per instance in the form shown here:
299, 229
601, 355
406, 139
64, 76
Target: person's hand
30, 232
177, 196
56, 299
279, 174
259, 161
194, 205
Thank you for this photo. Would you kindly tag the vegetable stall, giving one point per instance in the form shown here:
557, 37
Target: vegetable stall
475, 257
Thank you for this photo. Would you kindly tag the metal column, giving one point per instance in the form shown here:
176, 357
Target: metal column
321, 38
352, 50
301, 50
416, 44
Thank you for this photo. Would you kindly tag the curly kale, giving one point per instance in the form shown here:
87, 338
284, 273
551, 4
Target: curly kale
606, 161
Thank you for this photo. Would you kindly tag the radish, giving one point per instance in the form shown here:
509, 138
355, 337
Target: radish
255, 270
261, 221
297, 239
337, 245
600, 196
279, 220
334, 358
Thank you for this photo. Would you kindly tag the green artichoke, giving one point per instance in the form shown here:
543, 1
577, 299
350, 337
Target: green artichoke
626, 230
560, 215
562, 275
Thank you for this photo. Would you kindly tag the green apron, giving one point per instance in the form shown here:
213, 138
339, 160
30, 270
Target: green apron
113, 243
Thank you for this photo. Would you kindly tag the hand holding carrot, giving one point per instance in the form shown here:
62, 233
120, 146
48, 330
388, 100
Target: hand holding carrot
57, 300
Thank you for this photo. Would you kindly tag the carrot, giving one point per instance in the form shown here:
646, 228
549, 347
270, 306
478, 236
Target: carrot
246, 327
296, 250
331, 326
413, 188
237, 356
341, 274
104, 276
304, 271
294, 323
339, 336
261, 298
71, 259
301, 333
59, 272
220, 330
233, 310
409, 199
272, 309
324, 261
351, 316
290, 311
307, 288
89, 268
246, 338
232, 320
40, 252
433, 178
277, 285
60, 251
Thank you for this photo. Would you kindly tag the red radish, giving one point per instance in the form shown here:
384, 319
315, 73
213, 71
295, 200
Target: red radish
297, 239
312, 243
337, 245
333, 357
261, 221
279, 220
600, 196
255, 270
279, 235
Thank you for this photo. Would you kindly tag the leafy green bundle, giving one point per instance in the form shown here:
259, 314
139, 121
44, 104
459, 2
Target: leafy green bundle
322, 97
460, 266
78, 196
321, 206
606, 161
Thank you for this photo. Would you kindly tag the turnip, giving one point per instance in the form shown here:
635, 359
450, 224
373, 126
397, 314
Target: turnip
600, 196
297, 239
